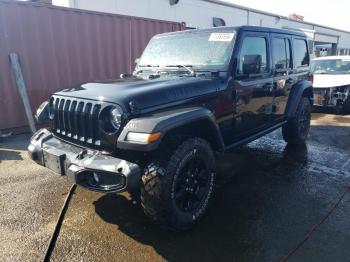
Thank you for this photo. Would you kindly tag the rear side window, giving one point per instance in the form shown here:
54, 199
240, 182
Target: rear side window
280, 53
251, 46
301, 54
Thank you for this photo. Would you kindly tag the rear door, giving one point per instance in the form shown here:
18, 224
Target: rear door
291, 60
282, 68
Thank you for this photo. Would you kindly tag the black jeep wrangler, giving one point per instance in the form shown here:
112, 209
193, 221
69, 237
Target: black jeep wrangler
192, 94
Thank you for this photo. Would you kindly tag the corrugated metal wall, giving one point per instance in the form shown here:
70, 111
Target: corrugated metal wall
61, 47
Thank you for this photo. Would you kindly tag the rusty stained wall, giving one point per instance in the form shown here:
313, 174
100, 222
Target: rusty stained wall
61, 47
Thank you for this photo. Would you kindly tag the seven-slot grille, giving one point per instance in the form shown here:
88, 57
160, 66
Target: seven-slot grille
76, 119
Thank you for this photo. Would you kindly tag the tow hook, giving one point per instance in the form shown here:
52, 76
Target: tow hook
82, 154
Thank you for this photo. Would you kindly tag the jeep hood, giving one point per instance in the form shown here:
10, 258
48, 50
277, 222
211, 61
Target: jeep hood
322, 81
144, 93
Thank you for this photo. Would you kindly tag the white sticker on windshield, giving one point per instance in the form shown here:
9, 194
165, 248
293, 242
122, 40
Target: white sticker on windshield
222, 37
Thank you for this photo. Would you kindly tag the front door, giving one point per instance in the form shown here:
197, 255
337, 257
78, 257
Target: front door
253, 91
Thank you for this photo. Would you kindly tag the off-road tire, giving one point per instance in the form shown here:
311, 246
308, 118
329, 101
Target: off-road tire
296, 130
162, 177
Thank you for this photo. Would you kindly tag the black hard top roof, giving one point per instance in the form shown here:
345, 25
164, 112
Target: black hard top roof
241, 28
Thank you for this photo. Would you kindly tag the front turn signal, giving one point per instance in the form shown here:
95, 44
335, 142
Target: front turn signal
144, 138
153, 137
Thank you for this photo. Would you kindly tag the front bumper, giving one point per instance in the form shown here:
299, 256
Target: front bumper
87, 168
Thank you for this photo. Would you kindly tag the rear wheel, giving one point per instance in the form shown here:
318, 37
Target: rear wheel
177, 187
295, 131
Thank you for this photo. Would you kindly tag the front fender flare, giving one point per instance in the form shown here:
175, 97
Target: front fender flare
164, 122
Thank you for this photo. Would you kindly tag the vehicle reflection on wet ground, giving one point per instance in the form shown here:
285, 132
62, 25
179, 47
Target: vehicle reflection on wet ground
268, 196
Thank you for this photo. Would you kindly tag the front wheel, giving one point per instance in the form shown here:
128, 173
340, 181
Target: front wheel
177, 187
296, 130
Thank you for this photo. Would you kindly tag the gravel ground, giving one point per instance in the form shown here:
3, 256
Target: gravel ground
268, 196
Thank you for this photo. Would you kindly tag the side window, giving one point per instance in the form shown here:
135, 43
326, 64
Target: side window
301, 54
279, 53
254, 46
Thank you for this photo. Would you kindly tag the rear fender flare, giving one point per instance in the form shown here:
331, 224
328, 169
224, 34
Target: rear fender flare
300, 89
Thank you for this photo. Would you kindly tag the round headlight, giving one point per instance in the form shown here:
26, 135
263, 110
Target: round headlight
115, 117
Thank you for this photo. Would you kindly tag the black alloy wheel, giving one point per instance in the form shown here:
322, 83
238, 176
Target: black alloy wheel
192, 185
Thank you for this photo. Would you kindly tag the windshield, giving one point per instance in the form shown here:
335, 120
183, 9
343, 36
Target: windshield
331, 66
203, 50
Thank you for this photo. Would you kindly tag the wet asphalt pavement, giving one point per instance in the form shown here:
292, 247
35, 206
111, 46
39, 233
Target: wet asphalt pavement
268, 196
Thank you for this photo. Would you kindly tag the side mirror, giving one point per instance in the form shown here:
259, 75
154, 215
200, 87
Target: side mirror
251, 64
136, 61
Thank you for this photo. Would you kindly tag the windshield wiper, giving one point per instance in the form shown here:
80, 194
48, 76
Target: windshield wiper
192, 73
152, 66
147, 66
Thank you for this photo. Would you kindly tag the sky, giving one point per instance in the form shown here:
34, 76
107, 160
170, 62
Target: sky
332, 13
